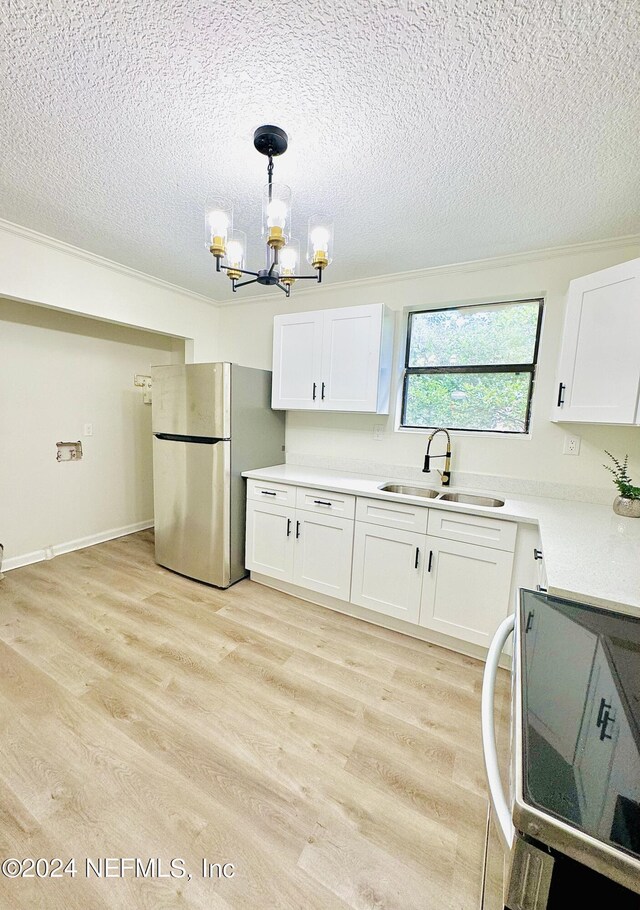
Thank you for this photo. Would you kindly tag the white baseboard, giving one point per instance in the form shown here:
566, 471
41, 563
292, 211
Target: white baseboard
26, 559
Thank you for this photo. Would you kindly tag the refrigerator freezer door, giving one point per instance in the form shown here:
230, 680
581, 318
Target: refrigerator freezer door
191, 502
192, 399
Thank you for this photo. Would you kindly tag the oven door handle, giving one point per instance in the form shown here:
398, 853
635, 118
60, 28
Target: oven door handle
497, 796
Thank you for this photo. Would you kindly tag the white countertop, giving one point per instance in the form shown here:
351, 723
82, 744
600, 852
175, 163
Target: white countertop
590, 554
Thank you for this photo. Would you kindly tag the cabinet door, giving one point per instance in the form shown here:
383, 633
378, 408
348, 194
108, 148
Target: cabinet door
297, 359
599, 733
351, 358
270, 539
387, 570
558, 720
323, 550
466, 589
599, 374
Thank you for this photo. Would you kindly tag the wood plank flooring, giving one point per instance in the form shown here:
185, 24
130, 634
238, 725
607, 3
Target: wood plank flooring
335, 764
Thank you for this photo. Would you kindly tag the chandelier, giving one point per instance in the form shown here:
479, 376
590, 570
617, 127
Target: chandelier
229, 246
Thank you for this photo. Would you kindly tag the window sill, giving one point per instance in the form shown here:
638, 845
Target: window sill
483, 434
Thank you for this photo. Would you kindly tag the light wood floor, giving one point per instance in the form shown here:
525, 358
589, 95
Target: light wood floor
335, 764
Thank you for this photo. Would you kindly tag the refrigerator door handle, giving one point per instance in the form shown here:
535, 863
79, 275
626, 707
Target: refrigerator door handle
496, 791
202, 440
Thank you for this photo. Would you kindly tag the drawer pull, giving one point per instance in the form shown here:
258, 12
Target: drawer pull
322, 502
541, 588
268, 493
537, 554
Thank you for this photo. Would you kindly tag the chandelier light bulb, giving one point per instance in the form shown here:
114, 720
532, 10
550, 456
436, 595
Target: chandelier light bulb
320, 239
276, 213
218, 221
320, 247
289, 258
235, 253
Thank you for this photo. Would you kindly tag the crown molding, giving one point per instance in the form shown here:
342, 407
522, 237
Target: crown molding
472, 265
9, 227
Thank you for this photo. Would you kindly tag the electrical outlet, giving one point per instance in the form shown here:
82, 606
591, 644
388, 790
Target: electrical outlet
87, 430
571, 445
378, 431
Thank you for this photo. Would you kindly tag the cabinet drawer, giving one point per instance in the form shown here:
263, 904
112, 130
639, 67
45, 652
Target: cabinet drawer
340, 504
488, 532
392, 514
266, 491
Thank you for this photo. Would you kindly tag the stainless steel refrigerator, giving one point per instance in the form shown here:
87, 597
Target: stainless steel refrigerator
211, 422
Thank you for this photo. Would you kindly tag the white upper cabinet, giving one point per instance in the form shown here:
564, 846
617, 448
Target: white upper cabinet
297, 360
334, 360
599, 372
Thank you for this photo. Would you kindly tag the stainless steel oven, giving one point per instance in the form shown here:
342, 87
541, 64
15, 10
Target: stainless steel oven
568, 820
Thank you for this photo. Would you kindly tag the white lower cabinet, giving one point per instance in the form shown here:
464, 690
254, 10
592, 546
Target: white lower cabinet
269, 541
322, 558
308, 549
387, 570
466, 589
445, 571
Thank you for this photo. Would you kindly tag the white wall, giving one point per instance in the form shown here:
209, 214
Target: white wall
38, 269
58, 372
345, 441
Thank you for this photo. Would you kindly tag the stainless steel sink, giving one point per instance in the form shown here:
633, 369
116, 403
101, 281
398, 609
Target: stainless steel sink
409, 491
472, 500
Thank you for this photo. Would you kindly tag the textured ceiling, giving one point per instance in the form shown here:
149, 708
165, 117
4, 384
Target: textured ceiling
435, 132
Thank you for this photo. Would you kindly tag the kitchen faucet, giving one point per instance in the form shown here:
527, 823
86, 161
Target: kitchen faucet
446, 474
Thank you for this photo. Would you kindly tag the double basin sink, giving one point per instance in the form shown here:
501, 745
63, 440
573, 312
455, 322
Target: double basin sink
470, 499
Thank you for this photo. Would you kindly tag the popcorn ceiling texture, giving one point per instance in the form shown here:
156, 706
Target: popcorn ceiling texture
435, 132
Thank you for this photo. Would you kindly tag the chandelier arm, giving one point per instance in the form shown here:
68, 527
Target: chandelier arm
232, 268
305, 277
243, 283
283, 288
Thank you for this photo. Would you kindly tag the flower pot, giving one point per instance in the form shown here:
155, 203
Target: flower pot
629, 508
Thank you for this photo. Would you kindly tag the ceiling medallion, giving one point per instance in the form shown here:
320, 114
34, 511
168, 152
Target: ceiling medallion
229, 246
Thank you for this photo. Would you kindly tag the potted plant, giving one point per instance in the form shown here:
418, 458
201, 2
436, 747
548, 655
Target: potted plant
628, 502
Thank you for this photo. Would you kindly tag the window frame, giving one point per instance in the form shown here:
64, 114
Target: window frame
530, 368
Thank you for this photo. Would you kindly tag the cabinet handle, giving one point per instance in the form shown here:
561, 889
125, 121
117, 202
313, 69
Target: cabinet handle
561, 389
415, 565
604, 708
537, 554
297, 529
322, 392
430, 560
541, 589
604, 716
530, 616
322, 502
315, 386
288, 526
268, 493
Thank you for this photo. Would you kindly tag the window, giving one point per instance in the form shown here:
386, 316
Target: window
472, 367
